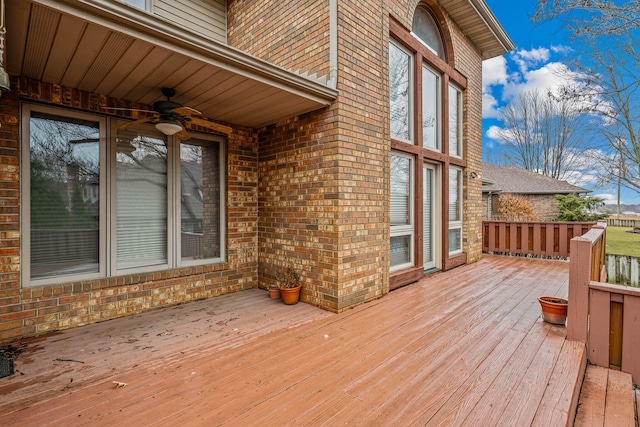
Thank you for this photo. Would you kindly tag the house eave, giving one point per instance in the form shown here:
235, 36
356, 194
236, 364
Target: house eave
292, 93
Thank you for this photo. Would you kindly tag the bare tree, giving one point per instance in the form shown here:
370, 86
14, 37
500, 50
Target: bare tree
609, 77
591, 18
542, 133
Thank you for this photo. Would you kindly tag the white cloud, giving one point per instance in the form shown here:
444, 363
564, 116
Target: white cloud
609, 199
494, 71
489, 106
528, 58
499, 134
551, 76
560, 49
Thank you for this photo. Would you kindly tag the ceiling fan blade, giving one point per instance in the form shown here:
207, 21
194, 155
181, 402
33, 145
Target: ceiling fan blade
134, 123
211, 125
185, 111
183, 135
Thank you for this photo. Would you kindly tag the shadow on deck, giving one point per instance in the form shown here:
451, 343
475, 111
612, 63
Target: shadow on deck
465, 347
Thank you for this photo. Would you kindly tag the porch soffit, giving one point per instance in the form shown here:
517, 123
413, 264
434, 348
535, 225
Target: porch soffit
105, 47
480, 25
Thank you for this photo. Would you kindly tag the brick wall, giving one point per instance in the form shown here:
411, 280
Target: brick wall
544, 205
291, 34
324, 177
33, 310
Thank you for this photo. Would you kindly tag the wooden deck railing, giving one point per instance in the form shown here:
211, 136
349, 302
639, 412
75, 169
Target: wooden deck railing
604, 316
550, 239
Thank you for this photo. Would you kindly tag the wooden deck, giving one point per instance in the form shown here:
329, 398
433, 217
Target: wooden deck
465, 347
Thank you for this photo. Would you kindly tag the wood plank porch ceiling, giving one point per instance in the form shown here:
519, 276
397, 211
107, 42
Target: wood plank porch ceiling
108, 48
465, 347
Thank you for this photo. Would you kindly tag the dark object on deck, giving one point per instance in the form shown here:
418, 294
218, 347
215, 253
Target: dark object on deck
6, 362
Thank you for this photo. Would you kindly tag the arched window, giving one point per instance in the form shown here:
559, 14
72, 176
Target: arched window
425, 28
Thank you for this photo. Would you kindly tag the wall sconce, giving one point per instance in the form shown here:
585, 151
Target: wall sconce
474, 175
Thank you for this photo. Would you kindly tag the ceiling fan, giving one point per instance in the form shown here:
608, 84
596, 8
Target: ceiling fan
171, 118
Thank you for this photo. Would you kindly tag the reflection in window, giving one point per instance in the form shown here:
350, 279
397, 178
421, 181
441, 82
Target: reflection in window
455, 121
200, 199
65, 195
399, 77
424, 27
430, 109
140, 4
141, 200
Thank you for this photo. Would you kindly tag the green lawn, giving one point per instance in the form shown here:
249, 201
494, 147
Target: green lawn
619, 242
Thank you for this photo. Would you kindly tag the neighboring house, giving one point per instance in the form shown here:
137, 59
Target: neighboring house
355, 140
538, 189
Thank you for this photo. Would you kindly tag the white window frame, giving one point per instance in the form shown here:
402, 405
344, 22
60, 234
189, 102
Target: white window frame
408, 229
457, 224
107, 209
411, 94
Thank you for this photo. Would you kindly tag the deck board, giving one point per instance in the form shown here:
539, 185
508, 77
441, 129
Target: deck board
455, 348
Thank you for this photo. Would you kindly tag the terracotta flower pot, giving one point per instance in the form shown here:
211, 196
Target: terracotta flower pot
554, 309
274, 293
290, 295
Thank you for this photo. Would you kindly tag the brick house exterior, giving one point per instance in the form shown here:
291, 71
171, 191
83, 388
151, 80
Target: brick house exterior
303, 179
540, 191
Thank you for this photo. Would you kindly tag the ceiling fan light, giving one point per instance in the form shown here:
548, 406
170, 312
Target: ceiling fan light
168, 127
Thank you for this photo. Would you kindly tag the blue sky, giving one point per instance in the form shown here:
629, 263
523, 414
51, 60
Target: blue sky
541, 50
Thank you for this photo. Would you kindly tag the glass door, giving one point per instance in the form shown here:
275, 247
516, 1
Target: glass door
428, 216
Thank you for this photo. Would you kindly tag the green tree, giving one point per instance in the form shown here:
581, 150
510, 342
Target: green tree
579, 208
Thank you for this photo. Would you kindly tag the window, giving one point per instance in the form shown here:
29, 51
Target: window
425, 92
402, 196
161, 199
140, 4
455, 121
455, 210
430, 109
425, 29
400, 65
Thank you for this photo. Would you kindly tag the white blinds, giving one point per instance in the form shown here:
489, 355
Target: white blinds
427, 215
141, 202
400, 190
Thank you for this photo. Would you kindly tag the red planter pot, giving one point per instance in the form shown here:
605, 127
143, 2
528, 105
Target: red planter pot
274, 293
554, 309
290, 295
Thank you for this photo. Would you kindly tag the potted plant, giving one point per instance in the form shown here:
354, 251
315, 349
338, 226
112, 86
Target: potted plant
274, 291
289, 284
554, 309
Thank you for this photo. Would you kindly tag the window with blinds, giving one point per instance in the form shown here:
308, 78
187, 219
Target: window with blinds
455, 210
64, 193
401, 211
141, 201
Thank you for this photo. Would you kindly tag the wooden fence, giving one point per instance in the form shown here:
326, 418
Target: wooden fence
546, 239
623, 222
602, 315
623, 270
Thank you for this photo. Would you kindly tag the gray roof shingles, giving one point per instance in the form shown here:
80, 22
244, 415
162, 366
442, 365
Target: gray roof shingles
511, 179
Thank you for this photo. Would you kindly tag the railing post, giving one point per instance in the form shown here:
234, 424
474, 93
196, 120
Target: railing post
579, 278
